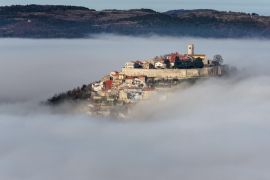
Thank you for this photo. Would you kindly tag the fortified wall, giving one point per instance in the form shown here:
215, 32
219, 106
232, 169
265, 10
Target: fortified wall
175, 73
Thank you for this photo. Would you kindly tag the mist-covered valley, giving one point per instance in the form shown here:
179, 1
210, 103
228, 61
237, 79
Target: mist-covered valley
215, 129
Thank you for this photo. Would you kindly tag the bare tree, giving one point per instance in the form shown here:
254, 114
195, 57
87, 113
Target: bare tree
218, 59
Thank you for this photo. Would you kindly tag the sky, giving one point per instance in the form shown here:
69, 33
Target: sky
258, 6
217, 128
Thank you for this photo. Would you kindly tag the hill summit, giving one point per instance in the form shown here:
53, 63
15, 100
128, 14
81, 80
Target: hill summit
50, 21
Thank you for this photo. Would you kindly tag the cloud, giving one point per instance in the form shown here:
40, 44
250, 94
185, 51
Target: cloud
214, 129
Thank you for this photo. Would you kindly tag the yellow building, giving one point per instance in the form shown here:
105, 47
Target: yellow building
202, 56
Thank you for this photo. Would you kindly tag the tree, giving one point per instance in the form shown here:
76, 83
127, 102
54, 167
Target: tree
198, 63
167, 63
177, 63
218, 59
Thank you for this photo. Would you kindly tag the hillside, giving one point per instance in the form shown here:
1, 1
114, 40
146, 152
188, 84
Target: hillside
35, 21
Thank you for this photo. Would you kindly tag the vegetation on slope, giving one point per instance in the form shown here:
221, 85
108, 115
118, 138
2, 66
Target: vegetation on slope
36, 21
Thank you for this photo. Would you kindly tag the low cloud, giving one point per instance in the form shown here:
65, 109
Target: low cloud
214, 129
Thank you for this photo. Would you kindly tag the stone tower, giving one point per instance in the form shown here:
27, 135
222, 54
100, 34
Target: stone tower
190, 49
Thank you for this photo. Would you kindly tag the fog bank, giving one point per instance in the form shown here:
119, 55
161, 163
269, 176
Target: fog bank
215, 129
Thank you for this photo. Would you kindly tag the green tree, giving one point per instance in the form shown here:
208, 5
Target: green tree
167, 63
198, 63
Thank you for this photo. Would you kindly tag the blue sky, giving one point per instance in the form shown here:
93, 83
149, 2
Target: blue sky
259, 6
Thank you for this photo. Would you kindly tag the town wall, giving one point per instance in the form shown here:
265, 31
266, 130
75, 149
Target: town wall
175, 73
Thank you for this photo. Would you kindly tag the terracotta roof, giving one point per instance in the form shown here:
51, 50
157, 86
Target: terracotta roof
139, 62
114, 73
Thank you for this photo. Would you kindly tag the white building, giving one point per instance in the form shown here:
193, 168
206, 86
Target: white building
138, 82
97, 86
129, 65
159, 65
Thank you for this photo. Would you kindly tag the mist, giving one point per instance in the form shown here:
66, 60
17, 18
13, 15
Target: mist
214, 129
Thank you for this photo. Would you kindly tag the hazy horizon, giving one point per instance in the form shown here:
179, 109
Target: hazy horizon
249, 6
216, 129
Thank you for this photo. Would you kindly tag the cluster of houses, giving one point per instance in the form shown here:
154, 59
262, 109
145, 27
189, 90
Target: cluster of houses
120, 88
169, 61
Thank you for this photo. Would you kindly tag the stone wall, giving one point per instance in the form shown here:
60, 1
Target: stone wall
175, 73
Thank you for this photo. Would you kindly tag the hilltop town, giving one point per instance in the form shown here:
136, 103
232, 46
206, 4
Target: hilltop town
139, 80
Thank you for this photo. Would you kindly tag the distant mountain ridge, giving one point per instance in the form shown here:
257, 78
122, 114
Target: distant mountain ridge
50, 21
